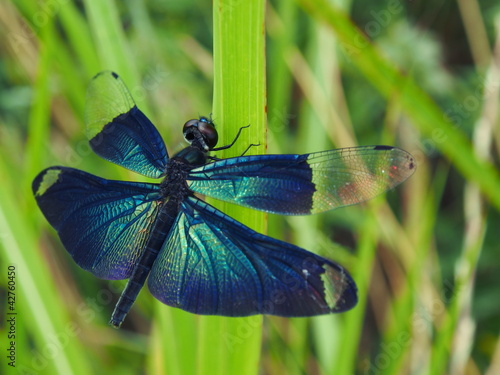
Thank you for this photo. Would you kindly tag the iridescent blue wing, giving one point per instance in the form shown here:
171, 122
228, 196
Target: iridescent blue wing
304, 184
103, 224
211, 264
118, 131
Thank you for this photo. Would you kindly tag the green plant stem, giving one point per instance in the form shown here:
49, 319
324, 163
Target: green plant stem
232, 345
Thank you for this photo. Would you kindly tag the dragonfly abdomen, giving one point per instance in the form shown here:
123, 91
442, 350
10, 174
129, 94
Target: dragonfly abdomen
159, 233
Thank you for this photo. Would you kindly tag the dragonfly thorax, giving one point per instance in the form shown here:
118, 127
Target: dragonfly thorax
190, 157
174, 185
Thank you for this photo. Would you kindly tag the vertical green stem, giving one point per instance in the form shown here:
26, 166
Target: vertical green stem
232, 345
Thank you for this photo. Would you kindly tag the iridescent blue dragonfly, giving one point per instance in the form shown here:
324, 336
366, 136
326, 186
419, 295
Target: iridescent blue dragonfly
194, 256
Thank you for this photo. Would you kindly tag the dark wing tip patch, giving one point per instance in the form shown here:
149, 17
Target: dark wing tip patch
411, 163
381, 147
105, 72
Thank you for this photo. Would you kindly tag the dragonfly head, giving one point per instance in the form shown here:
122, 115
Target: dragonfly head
201, 133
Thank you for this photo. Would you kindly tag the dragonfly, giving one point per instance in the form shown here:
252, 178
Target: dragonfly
193, 256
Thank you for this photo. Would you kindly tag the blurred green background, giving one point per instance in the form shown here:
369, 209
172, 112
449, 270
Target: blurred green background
423, 76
